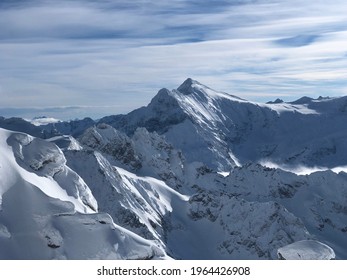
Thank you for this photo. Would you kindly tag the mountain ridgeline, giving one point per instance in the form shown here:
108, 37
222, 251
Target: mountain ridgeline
196, 166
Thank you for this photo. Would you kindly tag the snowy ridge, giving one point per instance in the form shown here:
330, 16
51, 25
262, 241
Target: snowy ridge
43, 164
106, 139
53, 202
146, 153
135, 202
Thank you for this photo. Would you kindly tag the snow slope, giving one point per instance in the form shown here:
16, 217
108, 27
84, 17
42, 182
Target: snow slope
108, 162
134, 202
306, 250
47, 211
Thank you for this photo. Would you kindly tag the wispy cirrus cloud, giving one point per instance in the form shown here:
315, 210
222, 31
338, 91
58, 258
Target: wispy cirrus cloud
72, 53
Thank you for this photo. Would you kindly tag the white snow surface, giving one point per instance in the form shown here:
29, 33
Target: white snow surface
48, 212
306, 250
42, 164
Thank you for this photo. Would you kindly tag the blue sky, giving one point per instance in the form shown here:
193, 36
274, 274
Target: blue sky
76, 58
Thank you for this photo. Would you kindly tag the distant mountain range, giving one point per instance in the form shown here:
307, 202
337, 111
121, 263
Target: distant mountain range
195, 166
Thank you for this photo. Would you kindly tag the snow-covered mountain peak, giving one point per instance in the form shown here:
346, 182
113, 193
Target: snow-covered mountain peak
199, 101
100, 135
221, 130
194, 95
187, 86
164, 102
193, 87
302, 100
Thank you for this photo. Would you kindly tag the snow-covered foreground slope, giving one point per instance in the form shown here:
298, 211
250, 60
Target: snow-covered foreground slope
136, 203
47, 211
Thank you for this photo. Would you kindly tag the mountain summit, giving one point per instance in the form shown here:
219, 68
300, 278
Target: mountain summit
187, 86
191, 87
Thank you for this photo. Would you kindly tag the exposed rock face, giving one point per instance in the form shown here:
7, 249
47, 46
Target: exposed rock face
106, 139
146, 153
250, 228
